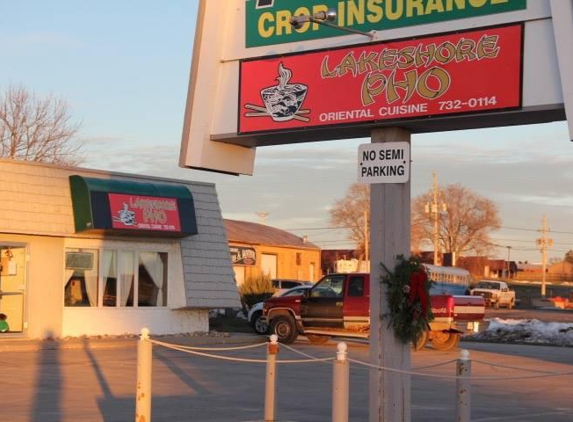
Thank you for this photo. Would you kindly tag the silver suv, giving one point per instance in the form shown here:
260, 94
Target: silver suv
282, 284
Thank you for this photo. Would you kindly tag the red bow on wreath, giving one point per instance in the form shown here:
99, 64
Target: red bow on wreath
418, 281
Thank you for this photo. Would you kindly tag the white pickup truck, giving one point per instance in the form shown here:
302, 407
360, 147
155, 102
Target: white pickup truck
495, 293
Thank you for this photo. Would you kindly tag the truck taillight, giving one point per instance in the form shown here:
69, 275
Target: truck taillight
450, 304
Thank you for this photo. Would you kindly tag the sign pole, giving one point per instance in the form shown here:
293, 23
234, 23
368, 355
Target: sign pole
562, 17
390, 392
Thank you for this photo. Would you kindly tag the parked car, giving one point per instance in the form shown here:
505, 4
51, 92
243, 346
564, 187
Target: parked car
256, 311
282, 285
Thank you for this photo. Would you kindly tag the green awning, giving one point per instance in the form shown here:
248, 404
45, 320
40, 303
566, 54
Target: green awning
129, 207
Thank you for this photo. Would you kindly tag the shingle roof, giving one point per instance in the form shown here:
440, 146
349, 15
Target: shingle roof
259, 234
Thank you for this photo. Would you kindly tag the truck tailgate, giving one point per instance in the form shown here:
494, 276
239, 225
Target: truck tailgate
469, 308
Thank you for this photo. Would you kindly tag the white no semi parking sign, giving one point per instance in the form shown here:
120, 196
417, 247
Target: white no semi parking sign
387, 162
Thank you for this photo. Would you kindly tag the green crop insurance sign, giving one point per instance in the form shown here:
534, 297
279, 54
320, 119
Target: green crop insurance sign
268, 21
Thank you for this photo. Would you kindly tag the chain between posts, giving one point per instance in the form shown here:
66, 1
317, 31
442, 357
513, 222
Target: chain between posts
341, 369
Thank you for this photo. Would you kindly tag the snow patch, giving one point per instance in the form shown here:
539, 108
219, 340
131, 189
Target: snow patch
530, 331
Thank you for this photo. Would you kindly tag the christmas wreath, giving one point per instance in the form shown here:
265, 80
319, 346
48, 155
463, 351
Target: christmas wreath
408, 298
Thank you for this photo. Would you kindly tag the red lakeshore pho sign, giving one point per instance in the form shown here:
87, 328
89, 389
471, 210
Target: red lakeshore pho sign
456, 73
144, 212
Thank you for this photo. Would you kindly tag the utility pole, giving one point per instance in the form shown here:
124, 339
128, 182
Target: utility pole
508, 262
543, 244
434, 208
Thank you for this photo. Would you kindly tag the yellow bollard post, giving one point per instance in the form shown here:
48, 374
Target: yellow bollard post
143, 388
340, 385
271, 379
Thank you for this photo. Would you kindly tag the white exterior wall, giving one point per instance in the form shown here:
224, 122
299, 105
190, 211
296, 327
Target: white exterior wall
122, 321
43, 294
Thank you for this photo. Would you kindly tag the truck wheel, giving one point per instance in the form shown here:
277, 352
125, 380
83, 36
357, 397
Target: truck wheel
284, 327
258, 325
511, 305
317, 339
422, 340
496, 305
444, 341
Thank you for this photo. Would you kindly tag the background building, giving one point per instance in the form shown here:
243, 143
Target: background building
259, 249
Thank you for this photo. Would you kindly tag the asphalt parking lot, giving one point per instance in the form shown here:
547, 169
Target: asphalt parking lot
95, 381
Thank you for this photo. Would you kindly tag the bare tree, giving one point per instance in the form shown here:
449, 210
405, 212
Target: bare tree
37, 129
466, 224
416, 237
350, 212
464, 227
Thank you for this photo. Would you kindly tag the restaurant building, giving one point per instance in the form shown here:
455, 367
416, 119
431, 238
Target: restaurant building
87, 252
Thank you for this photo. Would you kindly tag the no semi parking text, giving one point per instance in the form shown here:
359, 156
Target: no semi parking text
385, 162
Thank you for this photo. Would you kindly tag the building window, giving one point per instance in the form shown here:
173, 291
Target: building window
109, 278
125, 278
81, 288
152, 279
127, 274
298, 258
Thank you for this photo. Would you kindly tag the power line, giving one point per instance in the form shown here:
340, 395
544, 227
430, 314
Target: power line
332, 241
525, 241
425, 221
317, 228
534, 230
519, 228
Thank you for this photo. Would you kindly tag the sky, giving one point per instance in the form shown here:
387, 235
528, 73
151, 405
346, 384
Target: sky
123, 67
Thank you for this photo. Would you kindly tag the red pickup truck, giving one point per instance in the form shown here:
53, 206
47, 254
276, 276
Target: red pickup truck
339, 305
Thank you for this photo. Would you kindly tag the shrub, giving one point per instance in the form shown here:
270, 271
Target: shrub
256, 289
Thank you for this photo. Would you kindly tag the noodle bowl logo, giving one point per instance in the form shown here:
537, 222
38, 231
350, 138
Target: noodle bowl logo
149, 210
126, 216
282, 102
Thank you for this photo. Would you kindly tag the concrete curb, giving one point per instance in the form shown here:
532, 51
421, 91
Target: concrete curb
27, 345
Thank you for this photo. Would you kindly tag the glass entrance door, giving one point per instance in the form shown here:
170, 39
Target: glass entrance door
12, 288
